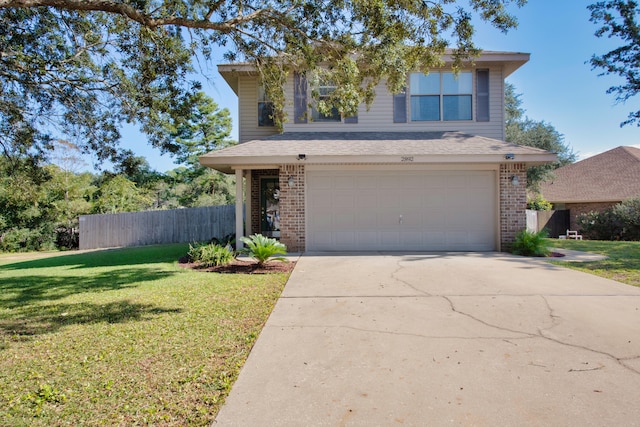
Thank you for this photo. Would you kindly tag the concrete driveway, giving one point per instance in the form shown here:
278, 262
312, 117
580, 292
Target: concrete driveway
443, 339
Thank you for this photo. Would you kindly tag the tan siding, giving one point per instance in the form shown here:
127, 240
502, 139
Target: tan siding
248, 111
496, 102
379, 117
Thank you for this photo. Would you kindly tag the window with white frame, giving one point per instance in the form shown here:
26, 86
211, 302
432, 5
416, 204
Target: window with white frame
265, 108
441, 96
324, 91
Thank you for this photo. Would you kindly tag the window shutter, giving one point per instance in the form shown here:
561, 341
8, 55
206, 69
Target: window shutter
352, 119
400, 107
482, 95
299, 98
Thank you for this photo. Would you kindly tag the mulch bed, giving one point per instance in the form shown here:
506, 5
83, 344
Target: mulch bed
241, 267
556, 255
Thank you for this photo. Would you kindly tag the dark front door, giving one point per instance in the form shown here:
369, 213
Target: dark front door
270, 207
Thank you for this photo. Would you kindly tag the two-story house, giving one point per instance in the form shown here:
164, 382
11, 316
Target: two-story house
424, 170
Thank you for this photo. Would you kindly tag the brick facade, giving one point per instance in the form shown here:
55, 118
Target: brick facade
292, 208
513, 203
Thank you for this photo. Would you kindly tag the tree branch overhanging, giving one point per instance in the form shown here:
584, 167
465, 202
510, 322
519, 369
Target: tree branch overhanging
141, 17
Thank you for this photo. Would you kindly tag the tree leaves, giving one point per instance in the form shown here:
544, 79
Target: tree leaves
79, 69
522, 130
619, 20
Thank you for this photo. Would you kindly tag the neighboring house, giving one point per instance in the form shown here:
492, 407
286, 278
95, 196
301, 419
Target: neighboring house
424, 170
596, 183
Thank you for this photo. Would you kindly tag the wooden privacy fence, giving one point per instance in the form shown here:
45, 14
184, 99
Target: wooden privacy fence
156, 227
555, 222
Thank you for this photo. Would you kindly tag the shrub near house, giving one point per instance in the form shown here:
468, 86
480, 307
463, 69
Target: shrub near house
621, 222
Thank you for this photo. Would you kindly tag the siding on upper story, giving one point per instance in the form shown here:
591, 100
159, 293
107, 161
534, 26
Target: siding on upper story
379, 117
248, 128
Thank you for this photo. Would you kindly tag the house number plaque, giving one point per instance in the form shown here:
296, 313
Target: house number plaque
405, 159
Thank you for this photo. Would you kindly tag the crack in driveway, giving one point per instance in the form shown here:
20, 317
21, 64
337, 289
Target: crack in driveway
519, 334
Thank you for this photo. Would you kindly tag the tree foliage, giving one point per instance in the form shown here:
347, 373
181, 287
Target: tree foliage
525, 131
40, 206
79, 69
618, 19
206, 128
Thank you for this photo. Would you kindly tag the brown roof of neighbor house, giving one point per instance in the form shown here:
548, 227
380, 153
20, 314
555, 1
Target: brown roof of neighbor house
612, 176
372, 148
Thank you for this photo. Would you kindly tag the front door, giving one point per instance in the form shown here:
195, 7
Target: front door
269, 207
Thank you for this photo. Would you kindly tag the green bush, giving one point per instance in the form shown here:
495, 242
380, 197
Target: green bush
25, 239
263, 249
599, 225
531, 244
228, 240
621, 222
538, 203
211, 255
627, 214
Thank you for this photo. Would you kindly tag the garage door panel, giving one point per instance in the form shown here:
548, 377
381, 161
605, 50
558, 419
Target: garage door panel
368, 219
434, 182
435, 198
322, 239
401, 210
393, 182
345, 238
321, 223
411, 239
343, 221
344, 182
481, 181
366, 182
434, 239
367, 239
389, 238
457, 181
320, 182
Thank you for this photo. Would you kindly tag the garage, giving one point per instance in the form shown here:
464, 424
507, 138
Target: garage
401, 210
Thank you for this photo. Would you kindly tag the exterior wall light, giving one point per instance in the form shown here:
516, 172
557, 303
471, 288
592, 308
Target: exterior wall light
515, 181
291, 181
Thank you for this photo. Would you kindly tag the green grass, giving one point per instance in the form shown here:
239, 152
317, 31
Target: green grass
622, 265
123, 337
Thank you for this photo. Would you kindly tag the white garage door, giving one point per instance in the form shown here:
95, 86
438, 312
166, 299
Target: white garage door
401, 210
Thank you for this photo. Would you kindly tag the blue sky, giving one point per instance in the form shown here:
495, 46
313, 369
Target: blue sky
557, 84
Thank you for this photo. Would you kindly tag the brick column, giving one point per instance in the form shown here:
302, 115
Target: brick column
513, 203
292, 213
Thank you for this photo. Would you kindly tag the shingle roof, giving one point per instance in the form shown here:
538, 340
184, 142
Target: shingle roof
612, 176
373, 147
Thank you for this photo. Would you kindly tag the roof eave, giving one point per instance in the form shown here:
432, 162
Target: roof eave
510, 61
227, 164
231, 72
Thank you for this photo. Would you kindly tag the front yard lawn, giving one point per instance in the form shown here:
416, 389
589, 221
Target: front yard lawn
123, 337
622, 265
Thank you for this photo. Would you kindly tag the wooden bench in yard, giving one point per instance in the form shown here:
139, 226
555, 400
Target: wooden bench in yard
571, 235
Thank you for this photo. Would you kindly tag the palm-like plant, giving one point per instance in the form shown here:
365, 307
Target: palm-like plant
263, 249
531, 244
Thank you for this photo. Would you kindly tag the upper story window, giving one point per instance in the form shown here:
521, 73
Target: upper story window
324, 91
301, 103
265, 108
441, 96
